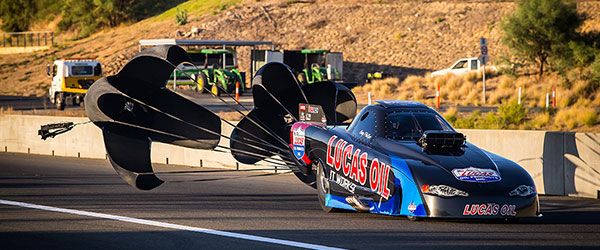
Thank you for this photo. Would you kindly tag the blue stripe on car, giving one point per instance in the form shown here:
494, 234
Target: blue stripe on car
408, 187
337, 202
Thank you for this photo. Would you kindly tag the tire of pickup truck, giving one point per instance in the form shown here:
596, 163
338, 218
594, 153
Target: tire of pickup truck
59, 100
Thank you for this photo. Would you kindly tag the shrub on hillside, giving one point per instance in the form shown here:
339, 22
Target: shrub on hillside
512, 113
507, 67
87, 16
595, 68
181, 18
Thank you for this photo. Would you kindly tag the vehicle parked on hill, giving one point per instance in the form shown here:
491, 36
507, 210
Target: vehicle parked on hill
71, 78
314, 65
309, 65
463, 66
215, 70
378, 75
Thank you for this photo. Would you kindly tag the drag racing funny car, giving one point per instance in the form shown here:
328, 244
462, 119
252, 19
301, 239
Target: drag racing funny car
403, 158
395, 157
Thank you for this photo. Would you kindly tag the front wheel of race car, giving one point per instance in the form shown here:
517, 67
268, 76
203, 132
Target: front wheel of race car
323, 188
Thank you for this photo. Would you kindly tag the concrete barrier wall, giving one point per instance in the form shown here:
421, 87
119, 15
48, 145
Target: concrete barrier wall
561, 163
19, 133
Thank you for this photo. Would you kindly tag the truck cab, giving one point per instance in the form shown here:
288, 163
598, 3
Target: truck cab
462, 66
71, 78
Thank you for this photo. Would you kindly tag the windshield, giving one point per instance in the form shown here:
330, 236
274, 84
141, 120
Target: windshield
197, 58
229, 60
81, 70
411, 125
460, 65
214, 60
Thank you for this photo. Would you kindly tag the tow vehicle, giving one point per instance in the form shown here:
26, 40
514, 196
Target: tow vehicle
313, 65
71, 78
210, 68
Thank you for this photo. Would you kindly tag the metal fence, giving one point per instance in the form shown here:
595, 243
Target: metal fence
27, 39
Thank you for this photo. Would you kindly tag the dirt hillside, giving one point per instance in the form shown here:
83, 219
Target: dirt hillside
408, 37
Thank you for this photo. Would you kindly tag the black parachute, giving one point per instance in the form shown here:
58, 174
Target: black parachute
134, 108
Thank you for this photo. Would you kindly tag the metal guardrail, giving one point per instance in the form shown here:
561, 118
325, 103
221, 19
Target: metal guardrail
27, 39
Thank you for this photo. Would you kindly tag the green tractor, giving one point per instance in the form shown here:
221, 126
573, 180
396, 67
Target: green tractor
312, 65
215, 70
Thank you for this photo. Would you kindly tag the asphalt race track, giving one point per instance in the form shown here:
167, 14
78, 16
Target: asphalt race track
67, 203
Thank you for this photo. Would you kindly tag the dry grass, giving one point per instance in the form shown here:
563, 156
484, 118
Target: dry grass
540, 121
571, 118
576, 109
454, 90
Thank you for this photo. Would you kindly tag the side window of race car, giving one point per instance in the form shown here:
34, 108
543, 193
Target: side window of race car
363, 129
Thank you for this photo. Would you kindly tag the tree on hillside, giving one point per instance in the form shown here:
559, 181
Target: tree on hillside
17, 15
540, 29
90, 15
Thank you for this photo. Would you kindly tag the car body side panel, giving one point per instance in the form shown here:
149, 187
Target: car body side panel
411, 204
337, 202
321, 141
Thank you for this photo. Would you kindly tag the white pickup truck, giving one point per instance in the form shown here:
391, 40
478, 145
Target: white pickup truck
463, 66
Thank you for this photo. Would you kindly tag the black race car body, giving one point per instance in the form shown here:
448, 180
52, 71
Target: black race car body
395, 158
377, 164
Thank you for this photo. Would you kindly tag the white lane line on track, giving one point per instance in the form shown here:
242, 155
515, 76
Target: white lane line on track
168, 225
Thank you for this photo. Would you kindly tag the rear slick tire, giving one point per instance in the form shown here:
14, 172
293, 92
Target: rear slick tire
323, 188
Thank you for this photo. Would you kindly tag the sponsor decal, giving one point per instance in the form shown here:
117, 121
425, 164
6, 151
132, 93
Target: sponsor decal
343, 182
311, 113
298, 136
490, 209
472, 174
351, 163
302, 107
412, 207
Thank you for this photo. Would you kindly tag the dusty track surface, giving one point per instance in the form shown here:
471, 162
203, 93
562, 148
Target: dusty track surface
276, 206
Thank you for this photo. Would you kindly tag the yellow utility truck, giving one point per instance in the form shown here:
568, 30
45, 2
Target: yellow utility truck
71, 78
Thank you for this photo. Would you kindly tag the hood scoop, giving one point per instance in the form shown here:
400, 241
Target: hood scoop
442, 142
